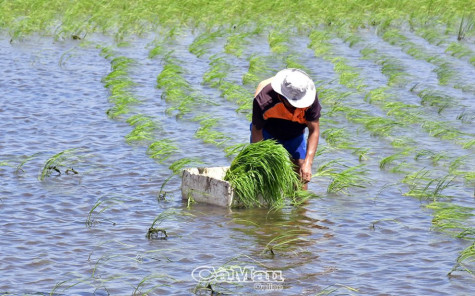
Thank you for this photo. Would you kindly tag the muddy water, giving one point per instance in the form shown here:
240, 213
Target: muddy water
54, 240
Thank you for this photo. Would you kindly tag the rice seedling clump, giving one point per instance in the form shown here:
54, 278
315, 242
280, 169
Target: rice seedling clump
262, 174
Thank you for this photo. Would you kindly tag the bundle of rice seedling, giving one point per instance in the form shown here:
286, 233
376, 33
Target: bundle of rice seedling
263, 174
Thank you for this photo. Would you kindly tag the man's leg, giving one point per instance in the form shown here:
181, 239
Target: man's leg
297, 147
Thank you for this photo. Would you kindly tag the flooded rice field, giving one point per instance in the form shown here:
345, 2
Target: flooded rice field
81, 181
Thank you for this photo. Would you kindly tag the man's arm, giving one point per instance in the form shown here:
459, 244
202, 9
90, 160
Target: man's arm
312, 145
261, 85
256, 134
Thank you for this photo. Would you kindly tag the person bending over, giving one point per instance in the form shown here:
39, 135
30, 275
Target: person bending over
283, 107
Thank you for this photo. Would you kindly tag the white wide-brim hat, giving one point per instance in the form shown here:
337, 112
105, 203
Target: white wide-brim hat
296, 86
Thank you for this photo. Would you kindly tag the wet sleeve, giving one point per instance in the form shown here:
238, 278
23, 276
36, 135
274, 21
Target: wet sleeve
313, 113
257, 115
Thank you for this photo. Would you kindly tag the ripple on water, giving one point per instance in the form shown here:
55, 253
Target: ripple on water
378, 243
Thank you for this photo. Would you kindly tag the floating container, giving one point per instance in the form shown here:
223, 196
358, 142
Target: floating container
207, 185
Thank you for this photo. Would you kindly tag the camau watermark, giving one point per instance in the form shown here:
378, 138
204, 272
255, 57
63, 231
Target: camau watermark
262, 279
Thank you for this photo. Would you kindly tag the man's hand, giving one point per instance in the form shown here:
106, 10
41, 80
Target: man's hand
312, 144
306, 172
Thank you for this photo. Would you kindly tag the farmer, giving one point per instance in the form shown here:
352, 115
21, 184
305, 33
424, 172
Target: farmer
283, 106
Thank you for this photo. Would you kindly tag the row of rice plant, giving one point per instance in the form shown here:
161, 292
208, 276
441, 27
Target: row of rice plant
446, 71
381, 96
439, 35
65, 19
396, 75
433, 187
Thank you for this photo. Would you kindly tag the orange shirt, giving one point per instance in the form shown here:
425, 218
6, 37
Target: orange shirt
270, 113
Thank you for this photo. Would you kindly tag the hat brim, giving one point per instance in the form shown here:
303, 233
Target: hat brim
306, 100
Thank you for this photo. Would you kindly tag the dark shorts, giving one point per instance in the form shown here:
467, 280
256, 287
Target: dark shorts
297, 147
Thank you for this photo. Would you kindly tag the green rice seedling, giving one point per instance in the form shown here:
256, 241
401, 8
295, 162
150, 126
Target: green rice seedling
347, 34
161, 150
117, 110
337, 138
348, 75
19, 167
171, 76
465, 260
419, 53
157, 50
378, 95
441, 130
200, 44
283, 242
369, 53
430, 189
403, 142
235, 92
263, 174
468, 144
320, 43
236, 44
173, 83
435, 99
61, 162
291, 61
218, 71
342, 177
460, 166
433, 156
451, 218
144, 128
185, 106
456, 164
390, 67
466, 117
394, 71
379, 126
102, 204
256, 71
233, 150
445, 73
405, 113
70, 283
334, 135
148, 284
431, 34
348, 178
176, 167
119, 87
119, 84
154, 232
396, 156
278, 41
361, 153
417, 177
459, 50
333, 97
394, 37
206, 132
328, 168
466, 25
